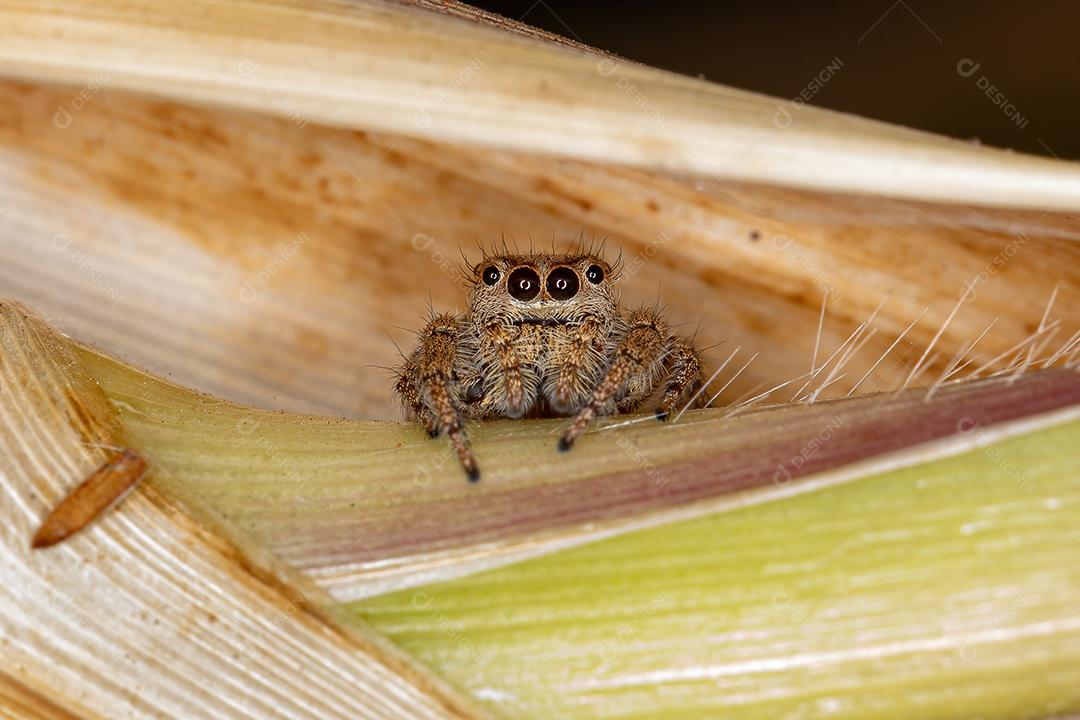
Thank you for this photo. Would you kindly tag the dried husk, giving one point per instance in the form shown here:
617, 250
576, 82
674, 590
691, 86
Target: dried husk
932, 570
268, 253
369, 507
152, 612
247, 197
257, 275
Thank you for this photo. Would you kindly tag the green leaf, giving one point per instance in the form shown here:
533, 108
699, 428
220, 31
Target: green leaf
944, 589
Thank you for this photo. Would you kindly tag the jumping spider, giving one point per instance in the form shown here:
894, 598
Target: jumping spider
543, 336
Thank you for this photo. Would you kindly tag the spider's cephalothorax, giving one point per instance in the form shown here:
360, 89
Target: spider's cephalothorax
543, 336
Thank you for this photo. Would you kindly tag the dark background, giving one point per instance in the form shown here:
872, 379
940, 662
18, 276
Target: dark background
899, 58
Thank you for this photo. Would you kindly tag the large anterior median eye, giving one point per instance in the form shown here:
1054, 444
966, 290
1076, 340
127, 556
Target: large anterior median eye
562, 283
491, 275
523, 283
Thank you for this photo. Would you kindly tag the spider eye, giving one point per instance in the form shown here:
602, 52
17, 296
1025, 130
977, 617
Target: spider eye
562, 283
491, 275
595, 274
524, 284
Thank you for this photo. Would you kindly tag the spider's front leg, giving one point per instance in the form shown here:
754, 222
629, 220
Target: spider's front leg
684, 375
647, 348
428, 388
412, 400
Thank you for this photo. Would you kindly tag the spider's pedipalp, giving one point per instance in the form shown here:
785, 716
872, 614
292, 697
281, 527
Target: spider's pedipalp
510, 369
583, 350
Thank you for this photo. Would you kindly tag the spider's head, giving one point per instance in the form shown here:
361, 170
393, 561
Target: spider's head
543, 288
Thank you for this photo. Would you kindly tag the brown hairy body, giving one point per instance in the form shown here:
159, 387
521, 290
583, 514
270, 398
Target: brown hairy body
543, 336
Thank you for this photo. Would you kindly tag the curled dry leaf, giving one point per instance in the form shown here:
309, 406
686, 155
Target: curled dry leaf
245, 197
367, 507
392, 68
261, 223
944, 589
151, 612
935, 569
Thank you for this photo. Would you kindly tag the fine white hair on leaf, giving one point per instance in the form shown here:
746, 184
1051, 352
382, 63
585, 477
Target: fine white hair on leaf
1073, 341
817, 345
705, 385
918, 368
954, 367
731, 380
1029, 352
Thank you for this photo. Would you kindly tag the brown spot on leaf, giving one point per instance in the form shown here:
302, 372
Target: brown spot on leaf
91, 498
